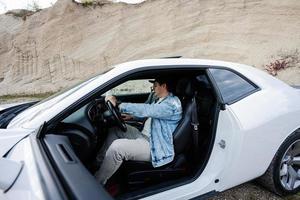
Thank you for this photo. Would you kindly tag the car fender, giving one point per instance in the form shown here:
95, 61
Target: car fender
262, 129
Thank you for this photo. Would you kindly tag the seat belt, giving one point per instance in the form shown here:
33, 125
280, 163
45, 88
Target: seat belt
195, 126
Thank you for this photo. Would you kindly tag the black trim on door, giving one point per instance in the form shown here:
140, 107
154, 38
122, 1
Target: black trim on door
216, 89
206, 195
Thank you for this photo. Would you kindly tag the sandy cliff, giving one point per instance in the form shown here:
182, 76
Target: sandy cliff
61, 45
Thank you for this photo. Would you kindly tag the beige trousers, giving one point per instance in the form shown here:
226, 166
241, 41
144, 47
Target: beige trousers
119, 146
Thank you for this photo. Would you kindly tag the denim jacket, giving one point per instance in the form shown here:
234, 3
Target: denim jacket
165, 118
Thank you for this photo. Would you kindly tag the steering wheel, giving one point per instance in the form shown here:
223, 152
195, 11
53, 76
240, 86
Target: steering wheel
117, 116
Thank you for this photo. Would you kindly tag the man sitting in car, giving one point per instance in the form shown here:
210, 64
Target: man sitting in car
154, 143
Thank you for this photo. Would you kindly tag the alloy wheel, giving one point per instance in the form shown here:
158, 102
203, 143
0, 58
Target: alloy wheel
290, 167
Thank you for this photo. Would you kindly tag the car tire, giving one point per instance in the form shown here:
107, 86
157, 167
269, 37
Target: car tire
273, 179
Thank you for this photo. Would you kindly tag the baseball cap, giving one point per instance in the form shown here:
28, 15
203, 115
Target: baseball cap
160, 80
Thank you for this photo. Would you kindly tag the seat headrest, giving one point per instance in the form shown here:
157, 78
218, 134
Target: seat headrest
184, 87
202, 82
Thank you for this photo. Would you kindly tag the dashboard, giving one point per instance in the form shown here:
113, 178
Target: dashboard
89, 116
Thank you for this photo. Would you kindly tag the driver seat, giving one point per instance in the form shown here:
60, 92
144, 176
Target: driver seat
141, 174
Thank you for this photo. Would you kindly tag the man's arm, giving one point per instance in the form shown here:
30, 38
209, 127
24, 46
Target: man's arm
160, 111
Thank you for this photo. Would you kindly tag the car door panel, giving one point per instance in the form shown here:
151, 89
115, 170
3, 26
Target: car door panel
80, 182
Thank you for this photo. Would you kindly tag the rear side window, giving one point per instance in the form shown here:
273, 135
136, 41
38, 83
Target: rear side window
232, 86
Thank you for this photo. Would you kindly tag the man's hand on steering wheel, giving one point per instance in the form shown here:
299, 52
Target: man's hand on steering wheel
126, 117
111, 102
112, 99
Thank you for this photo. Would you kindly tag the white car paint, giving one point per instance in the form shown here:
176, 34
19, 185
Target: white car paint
28, 185
264, 125
251, 140
9, 137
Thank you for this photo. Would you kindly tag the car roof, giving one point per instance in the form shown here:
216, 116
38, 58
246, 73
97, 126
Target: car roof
172, 62
259, 77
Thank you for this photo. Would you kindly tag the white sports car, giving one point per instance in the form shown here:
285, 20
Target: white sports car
238, 124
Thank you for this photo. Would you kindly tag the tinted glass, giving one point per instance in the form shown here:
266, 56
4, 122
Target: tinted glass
231, 85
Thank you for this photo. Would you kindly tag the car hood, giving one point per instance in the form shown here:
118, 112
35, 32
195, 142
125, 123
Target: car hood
10, 137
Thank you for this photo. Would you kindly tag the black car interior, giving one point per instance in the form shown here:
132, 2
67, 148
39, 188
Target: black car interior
87, 128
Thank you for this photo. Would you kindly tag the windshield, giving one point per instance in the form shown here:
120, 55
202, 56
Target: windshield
68, 90
50, 101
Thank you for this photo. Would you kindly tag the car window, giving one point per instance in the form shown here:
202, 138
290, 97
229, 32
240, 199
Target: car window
132, 87
231, 85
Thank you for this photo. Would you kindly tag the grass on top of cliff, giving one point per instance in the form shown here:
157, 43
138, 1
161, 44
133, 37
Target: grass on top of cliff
23, 97
21, 13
